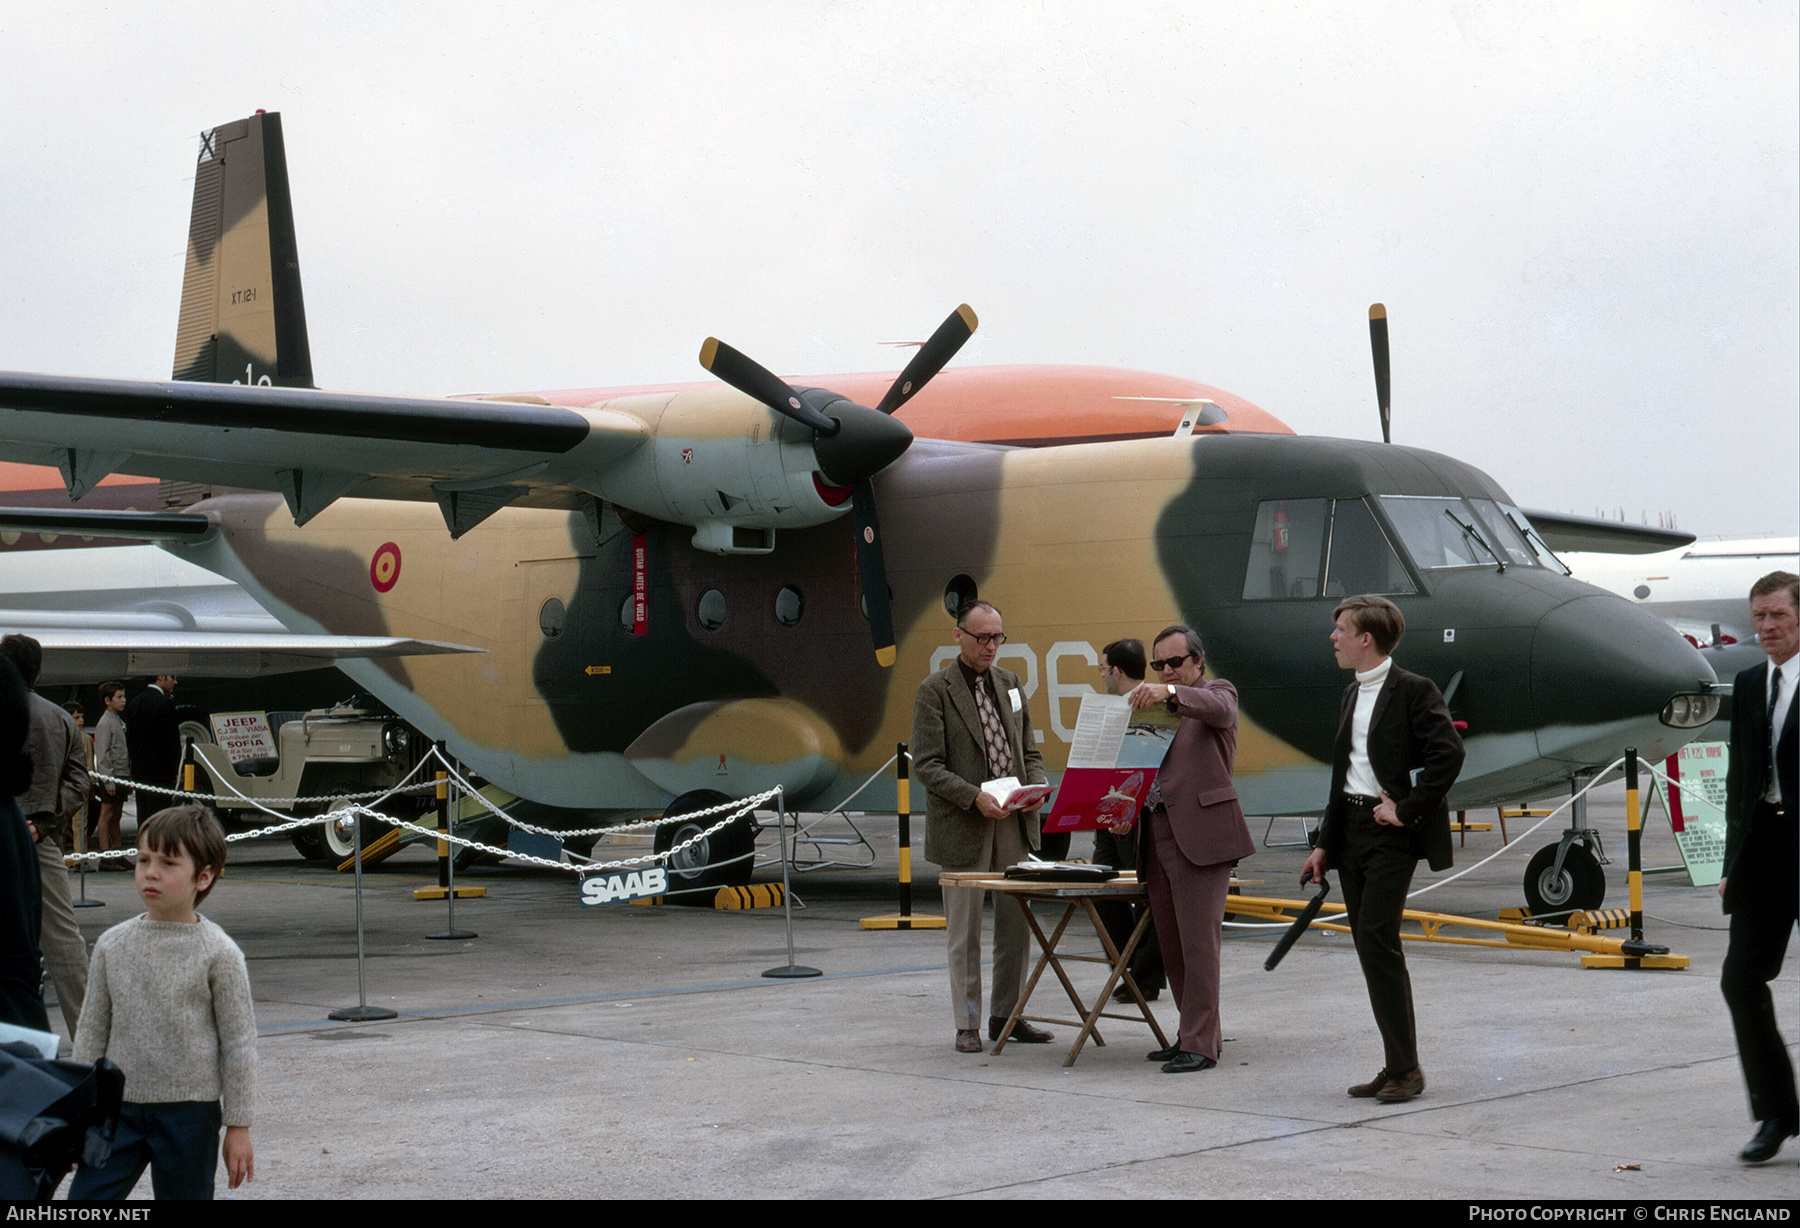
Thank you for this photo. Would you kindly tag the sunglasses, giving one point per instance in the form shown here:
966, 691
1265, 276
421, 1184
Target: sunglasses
1171, 662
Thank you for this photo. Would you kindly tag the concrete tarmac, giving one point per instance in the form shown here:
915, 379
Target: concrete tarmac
638, 1052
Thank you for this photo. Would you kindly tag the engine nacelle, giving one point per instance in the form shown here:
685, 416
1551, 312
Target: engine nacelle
722, 462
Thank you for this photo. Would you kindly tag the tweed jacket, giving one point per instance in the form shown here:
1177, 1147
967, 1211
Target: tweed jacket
950, 761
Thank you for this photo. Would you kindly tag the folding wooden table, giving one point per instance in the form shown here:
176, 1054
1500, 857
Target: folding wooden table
1074, 897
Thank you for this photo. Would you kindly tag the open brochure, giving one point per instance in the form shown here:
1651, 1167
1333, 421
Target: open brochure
1014, 796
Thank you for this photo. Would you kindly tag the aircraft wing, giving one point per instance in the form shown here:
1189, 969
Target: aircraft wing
95, 655
312, 446
117, 611
1562, 531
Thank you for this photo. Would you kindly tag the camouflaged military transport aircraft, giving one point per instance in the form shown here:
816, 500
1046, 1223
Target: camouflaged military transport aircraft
725, 586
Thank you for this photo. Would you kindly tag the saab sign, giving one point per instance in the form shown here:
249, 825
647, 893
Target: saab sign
598, 889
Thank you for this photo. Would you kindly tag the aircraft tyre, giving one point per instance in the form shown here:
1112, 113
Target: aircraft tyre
696, 867
1582, 883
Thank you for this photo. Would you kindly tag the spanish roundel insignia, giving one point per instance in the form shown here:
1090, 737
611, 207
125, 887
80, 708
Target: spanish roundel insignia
384, 568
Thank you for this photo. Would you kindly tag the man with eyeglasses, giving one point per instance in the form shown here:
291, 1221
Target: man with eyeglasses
1192, 833
970, 726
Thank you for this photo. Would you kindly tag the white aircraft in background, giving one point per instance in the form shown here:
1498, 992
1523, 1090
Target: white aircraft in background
1702, 590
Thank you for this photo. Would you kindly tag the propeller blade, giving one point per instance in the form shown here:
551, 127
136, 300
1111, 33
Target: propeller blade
873, 569
754, 380
1378, 344
940, 349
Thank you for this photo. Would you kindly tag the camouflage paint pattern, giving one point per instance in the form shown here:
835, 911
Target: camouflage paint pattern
1077, 545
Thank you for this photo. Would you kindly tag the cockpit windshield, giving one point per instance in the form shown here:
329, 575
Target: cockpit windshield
1451, 532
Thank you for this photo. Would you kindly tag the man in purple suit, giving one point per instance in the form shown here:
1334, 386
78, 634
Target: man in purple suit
1193, 833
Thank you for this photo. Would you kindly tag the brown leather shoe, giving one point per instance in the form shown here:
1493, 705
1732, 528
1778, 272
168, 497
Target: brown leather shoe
1364, 1091
968, 1040
1402, 1087
1022, 1034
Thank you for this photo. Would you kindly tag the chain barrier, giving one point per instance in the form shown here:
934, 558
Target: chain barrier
1433, 886
347, 806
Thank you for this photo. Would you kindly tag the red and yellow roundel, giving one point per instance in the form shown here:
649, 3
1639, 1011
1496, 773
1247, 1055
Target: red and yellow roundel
384, 568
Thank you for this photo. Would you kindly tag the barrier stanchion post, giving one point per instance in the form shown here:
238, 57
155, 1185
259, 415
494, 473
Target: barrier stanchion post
81, 851
447, 868
362, 1012
443, 811
904, 919
1634, 844
187, 766
790, 970
1636, 953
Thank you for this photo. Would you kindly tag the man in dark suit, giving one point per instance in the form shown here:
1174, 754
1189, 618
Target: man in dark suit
970, 726
1397, 755
1761, 880
1193, 833
153, 739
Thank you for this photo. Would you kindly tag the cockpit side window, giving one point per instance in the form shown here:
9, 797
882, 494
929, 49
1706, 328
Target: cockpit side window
1361, 559
1286, 549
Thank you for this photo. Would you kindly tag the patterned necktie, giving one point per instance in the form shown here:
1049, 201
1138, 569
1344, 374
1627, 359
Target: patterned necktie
999, 751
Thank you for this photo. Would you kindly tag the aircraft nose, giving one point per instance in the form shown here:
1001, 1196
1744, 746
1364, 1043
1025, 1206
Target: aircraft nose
1601, 672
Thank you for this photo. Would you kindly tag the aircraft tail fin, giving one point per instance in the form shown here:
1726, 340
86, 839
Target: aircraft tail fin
242, 317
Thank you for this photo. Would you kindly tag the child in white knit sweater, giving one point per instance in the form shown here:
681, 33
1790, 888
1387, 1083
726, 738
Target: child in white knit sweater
169, 1002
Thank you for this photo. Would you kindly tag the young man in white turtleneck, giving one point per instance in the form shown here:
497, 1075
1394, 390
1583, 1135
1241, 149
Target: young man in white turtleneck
1397, 755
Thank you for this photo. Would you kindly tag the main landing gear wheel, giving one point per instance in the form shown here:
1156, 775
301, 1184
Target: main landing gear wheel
700, 865
1581, 885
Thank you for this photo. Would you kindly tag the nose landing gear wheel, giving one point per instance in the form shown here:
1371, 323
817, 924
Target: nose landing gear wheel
1581, 885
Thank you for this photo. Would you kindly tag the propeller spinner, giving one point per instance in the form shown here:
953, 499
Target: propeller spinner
852, 442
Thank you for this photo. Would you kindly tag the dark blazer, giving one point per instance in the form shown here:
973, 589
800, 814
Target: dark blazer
949, 758
1195, 777
1747, 773
1410, 730
153, 738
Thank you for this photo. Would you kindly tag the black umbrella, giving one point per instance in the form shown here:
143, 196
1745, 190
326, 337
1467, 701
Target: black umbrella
1297, 928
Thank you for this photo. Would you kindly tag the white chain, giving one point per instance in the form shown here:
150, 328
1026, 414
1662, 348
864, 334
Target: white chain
346, 806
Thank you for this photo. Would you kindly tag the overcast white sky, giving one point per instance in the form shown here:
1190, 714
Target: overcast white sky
1584, 218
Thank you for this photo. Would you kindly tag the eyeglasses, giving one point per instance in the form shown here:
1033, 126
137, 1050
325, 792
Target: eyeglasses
986, 641
1172, 662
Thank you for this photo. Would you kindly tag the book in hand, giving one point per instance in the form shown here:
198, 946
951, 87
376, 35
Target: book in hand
1013, 796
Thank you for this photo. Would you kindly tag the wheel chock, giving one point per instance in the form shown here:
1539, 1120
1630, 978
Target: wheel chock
438, 893
756, 895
